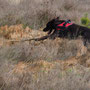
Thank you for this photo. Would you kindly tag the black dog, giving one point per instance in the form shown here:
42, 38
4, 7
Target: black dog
66, 29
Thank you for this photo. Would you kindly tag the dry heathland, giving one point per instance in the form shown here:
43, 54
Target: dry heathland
59, 64
36, 13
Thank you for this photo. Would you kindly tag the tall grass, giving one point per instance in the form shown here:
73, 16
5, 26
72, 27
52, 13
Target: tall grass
37, 13
37, 65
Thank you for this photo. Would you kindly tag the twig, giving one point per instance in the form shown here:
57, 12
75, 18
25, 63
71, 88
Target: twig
35, 39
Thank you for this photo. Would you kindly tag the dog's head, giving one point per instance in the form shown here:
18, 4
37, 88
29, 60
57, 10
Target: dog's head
51, 24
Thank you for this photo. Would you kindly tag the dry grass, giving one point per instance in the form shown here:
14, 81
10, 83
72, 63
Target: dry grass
14, 31
45, 75
34, 69
43, 65
59, 64
37, 13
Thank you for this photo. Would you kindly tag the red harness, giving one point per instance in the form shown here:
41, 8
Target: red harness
62, 25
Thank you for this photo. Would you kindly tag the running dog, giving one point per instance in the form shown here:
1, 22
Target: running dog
66, 29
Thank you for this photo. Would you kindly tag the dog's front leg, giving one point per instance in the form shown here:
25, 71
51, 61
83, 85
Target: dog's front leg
50, 31
42, 38
54, 35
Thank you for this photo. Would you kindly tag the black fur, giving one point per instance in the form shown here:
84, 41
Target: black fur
73, 31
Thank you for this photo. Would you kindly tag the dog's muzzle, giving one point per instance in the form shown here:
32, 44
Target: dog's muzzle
45, 29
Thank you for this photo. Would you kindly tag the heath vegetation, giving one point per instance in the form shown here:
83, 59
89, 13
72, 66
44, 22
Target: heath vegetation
59, 64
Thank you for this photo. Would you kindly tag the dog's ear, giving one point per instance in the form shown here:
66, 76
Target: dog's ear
57, 18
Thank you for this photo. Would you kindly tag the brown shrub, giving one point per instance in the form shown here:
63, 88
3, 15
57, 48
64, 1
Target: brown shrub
14, 31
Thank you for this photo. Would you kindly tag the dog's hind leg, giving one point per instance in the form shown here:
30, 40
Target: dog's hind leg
86, 42
86, 38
